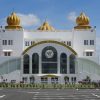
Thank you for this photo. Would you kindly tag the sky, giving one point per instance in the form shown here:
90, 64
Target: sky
61, 14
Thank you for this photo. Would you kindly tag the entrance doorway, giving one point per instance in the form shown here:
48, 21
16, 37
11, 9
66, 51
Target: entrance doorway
54, 80
49, 79
24, 79
32, 79
44, 80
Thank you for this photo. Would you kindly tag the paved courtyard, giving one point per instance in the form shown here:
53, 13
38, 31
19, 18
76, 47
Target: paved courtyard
49, 94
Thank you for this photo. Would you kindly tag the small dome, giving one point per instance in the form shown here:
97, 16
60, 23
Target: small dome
46, 27
13, 22
82, 22
82, 19
13, 19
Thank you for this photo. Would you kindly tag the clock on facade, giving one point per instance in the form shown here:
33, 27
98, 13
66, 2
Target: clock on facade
49, 54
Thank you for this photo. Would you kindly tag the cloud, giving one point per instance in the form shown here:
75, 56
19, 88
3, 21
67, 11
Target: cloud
28, 20
3, 22
72, 16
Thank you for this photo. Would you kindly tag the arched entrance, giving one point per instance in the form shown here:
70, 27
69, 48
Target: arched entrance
49, 61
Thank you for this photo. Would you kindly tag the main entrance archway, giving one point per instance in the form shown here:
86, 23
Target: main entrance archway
49, 57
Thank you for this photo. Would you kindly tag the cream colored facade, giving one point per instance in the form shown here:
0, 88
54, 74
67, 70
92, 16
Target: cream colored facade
48, 55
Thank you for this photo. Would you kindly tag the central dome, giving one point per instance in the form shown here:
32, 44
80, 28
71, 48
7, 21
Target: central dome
46, 27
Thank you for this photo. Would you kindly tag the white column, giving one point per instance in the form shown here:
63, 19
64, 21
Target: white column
68, 65
30, 67
40, 64
49, 80
28, 79
76, 67
70, 79
58, 64
37, 79
21, 71
61, 80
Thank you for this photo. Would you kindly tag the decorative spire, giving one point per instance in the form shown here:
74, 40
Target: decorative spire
46, 27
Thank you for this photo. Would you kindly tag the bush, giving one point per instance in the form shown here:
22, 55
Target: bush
49, 86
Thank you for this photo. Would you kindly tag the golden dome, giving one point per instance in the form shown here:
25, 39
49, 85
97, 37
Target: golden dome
82, 22
82, 19
46, 27
13, 21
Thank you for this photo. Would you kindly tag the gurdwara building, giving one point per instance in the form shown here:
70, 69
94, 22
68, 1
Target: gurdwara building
48, 55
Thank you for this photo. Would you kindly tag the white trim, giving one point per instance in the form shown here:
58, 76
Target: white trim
7, 50
49, 74
89, 50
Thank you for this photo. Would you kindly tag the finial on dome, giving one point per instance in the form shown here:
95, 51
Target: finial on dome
46, 19
82, 22
13, 21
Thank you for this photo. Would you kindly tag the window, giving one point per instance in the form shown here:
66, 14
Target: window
85, 42
32, 42
54, 80
49, 60
44, 80
7, 42
26, 64
24, 79
35, 63
63, 63
72, 64
4, 42
69, 43
7, 53
91, 42
32, 79
64, 42
10, 42
73, 79
27, 43
89, 53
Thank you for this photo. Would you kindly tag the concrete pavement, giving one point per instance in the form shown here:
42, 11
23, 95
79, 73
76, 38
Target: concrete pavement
49, 94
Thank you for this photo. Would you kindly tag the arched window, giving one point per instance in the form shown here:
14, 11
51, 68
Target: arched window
26, 64
49, 60
35, 63
63, 63
72, 64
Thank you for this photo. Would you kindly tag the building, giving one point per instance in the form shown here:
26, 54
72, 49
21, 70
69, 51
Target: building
48, 55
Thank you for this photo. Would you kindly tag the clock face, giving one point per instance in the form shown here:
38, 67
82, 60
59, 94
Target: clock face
49, 53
